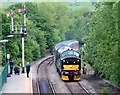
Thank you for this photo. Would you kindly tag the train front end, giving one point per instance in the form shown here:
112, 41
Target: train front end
70, 66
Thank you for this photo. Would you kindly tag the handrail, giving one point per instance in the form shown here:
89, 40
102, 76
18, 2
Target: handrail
3, 76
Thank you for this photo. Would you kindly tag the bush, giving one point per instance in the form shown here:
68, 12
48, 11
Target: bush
104, 91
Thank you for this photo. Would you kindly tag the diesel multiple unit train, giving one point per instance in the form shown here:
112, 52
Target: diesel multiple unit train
68, 60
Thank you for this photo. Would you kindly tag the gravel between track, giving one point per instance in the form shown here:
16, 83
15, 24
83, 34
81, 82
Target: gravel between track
59, 85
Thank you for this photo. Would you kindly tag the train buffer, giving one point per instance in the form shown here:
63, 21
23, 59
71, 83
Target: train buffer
18, 84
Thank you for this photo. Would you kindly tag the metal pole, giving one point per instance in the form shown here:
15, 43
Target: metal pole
24, 20
5, 52
23, 54
22, 50
12, 20
23, 64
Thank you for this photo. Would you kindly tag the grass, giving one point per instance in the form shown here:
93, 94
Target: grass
104, 91
89, 68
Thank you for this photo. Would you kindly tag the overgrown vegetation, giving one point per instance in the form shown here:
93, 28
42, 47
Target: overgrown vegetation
102, 42
47, 24
104, 91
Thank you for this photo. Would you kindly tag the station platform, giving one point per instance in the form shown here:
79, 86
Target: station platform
18, 84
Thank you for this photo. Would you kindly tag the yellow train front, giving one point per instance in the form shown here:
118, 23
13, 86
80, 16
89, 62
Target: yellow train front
68, 64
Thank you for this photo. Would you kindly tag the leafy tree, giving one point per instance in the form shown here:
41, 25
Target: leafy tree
41, 41
79, 23
47, 24
0, 37
32, 51
102, 42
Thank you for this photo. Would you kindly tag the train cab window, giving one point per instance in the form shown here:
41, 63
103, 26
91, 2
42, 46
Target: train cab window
70, 53
64, 54
76, 54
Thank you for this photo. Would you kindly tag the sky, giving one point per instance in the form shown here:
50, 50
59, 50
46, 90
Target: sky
9, 2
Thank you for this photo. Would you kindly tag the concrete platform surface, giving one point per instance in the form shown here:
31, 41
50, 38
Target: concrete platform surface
18, 84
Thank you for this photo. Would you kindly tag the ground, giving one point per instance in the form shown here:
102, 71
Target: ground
99, 84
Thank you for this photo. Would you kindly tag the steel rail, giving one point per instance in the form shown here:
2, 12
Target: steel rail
69, 88
43, 62
49, 83
87, 92
51, 61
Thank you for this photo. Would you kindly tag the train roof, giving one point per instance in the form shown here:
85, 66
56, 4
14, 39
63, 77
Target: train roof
64, 43
64, 48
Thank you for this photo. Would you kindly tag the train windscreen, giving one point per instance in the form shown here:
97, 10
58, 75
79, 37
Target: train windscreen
70, 53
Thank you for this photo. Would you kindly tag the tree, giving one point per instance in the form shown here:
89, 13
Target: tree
102, 42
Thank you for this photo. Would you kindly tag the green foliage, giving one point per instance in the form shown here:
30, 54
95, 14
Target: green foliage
0, 37
41, 41
47, 24
79, 23
104, 91
1, 57
101, 45
32, 49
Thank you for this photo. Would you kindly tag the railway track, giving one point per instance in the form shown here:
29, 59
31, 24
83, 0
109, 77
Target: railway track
76, 87
86, 91
44, 85
46, 59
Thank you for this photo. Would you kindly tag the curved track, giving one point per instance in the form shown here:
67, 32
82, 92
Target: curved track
48, 80
44, 84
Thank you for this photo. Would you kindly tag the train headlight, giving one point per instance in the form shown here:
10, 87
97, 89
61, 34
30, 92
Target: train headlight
70, 66
78, 60
63, 60
67, 62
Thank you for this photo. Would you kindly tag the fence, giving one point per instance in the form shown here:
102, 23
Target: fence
3, 76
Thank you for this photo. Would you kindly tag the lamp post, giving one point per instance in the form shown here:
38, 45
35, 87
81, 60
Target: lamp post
4, 41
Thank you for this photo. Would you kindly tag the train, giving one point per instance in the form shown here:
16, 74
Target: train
68, 60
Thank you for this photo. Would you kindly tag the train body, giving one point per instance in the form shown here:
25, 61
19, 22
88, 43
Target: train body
68, 60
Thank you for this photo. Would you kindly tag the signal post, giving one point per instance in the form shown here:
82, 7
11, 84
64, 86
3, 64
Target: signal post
22, 33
